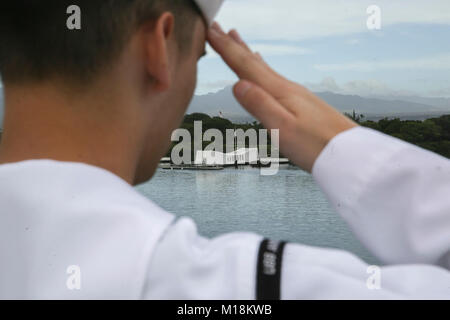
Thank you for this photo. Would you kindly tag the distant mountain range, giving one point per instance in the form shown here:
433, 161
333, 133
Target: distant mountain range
373, 108
406, 107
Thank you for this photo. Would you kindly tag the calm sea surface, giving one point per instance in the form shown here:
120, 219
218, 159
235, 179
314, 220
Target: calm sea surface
287, 206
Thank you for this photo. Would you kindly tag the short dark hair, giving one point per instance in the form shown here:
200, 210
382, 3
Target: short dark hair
36, 44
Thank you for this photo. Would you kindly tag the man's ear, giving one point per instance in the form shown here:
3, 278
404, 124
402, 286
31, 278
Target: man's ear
157, 53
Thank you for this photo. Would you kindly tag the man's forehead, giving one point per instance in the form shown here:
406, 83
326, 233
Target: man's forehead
201, 36
209, 9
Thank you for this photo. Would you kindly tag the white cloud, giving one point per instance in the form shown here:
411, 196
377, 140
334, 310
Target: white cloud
268, 50
443, 92
352, 42
365, 88
327, 84
436, 62
300, 19
213, 86
279, 50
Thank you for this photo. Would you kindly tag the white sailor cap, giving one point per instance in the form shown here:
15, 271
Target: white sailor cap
209, 8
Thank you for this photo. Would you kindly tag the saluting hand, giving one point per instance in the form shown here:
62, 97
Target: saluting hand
306, 122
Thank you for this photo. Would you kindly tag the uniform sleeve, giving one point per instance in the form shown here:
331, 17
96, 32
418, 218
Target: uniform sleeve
324, 274
187, 266
237, 266
395, 196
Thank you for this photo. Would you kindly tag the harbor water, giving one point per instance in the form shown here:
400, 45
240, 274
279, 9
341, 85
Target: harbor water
287, 206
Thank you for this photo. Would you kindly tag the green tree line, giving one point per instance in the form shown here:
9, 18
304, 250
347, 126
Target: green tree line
431, 134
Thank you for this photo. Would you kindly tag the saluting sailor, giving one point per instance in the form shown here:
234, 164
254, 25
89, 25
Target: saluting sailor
89, 113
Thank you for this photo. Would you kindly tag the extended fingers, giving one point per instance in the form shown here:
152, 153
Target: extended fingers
262, 105
245, 63
236, 37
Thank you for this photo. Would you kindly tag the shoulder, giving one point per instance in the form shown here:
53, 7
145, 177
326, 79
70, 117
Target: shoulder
74, 214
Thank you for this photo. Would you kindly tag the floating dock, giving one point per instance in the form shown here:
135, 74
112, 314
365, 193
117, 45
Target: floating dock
189, 167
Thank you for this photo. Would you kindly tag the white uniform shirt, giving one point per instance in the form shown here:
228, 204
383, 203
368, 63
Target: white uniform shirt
72, 231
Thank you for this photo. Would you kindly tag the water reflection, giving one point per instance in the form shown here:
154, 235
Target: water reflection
287, 206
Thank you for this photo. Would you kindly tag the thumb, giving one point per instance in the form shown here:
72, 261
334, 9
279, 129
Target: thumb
261, 105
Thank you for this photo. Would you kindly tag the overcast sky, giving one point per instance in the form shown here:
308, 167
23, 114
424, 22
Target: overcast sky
326, 45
